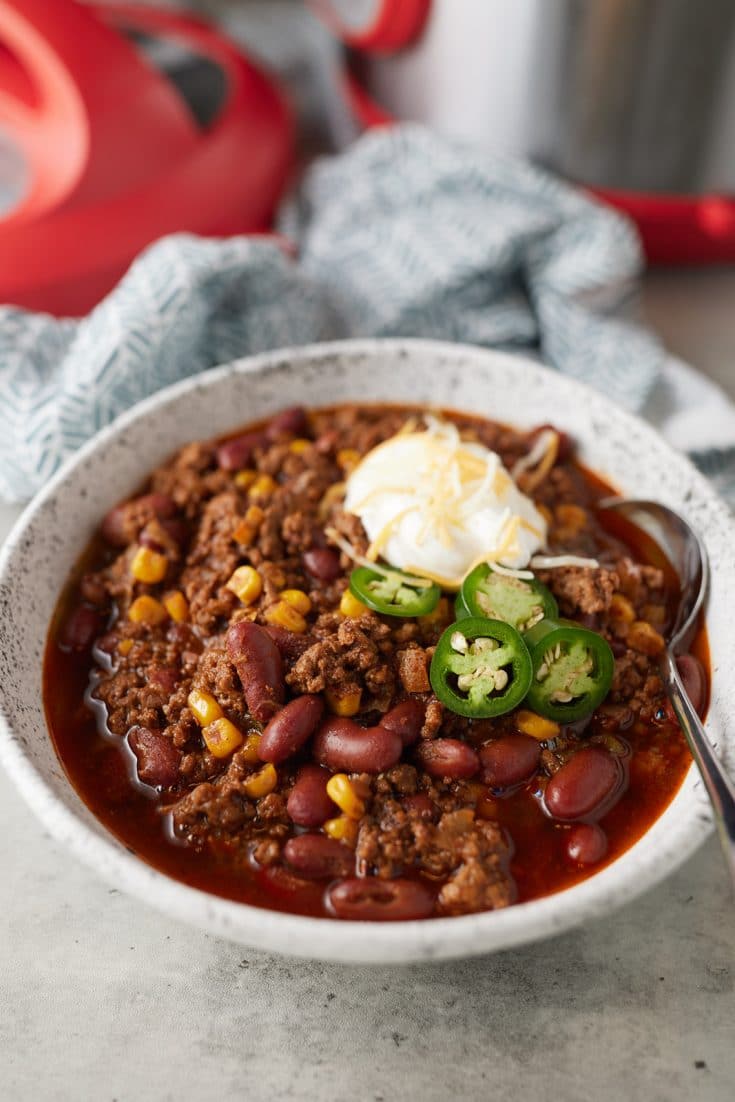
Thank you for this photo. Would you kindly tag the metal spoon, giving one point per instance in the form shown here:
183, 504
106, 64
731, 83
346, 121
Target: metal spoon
686, 553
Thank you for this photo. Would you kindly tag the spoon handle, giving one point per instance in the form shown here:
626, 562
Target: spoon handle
719, 786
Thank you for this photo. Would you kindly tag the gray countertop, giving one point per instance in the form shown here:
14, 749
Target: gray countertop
103, 998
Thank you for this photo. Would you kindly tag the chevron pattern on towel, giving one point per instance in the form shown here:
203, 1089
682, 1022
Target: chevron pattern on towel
403, 234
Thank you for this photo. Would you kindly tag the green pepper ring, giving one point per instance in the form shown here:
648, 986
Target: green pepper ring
519, 661
468, 595
424, 600
548, 633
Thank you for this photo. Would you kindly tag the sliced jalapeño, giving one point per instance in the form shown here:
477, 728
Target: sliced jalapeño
520, 602
480, 668
393, 593
572, 670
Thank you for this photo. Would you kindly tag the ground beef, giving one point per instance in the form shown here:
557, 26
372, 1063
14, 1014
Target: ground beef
432, 719
413, 669
481, 881
352, 659
581, 590
221, 807
472, 854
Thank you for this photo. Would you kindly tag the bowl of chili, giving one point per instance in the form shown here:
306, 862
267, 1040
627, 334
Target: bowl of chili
503, 656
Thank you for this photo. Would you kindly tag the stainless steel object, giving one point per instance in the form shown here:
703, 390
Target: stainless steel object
635, 95
687, 555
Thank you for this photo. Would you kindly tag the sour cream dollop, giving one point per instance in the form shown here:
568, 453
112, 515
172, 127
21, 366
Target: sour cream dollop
437, 506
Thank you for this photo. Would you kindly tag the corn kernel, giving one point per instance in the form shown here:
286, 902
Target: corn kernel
621, 608
645, 639
571, 517
348, 458
655, 614
147, 610
342, 792
263, 486
297, 599
246, 529
350, 606
205, 708
249, 751
536, 726
176, 606
124, 646
222, 737
148, 566
261, 783
246, 584
245, 478
342, 829
282, 615
347, 704
299, 446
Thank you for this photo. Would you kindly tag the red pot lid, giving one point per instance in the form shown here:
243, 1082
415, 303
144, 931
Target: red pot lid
376, 26
116, 158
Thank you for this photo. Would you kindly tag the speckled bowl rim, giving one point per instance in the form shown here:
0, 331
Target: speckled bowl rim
674, 836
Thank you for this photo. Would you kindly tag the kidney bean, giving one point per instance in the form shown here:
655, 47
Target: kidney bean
368, 899
447, 758
566, 443
258, 663
290, 644
322, 563
145, 539
164, 679
585, 785
291, 422
405, 720
308, 803
509, 760
81, 629
586, 844
343, 745
157, 758
234, 454
123, 522
318, 857
177, 529
692, 674
420, 803
290, 728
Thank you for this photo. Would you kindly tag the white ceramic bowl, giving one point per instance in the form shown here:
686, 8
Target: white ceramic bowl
50, 535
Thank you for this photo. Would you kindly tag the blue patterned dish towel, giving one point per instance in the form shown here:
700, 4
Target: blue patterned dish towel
404, 234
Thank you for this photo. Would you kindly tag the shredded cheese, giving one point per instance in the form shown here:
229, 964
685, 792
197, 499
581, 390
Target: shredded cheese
551, 562
539, 461
361, 560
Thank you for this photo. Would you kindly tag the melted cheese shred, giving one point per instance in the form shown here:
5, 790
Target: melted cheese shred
437, 506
